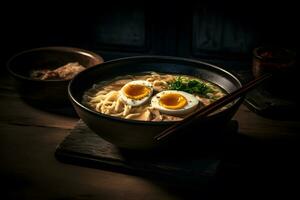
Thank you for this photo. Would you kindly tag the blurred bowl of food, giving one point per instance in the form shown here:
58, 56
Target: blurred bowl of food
42, 74
272, 60
281, 63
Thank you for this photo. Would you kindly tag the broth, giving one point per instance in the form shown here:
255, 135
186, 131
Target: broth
139, 96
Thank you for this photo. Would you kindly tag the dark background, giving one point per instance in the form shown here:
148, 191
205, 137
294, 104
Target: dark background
216, 31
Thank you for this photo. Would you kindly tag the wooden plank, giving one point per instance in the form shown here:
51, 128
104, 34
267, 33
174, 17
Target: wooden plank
16, 112
30, 171
256, 126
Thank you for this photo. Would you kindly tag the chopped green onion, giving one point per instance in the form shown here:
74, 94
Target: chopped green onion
192, 86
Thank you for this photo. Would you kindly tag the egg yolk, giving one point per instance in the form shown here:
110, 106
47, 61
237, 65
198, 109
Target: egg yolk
173, 101
136, 91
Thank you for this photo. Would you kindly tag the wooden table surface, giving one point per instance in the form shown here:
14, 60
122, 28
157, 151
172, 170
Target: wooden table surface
265, 162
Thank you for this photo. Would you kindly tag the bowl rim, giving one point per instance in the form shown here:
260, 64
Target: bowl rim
290, 54
54, 48
131, 121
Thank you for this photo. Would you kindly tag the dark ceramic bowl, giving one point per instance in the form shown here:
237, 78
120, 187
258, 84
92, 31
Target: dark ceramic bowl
50, 92
277, 61
281, 63
138, 135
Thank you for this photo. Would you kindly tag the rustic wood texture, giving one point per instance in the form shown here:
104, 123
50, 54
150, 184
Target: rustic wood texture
265, 162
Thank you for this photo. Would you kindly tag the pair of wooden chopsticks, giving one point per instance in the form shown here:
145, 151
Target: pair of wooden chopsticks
200, 113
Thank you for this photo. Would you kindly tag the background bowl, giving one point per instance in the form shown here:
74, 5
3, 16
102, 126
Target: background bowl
131, 134
50, 92
281, 63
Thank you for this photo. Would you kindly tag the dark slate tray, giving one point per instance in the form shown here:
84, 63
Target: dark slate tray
84, 147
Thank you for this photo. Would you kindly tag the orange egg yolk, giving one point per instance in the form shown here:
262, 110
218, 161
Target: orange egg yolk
136, 91
172, 101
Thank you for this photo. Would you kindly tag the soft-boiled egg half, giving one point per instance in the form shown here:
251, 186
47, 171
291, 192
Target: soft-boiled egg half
174, 102
136, 93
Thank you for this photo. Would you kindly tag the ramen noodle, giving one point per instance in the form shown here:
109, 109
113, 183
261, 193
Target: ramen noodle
151, 96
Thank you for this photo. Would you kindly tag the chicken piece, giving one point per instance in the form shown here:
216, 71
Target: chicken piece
50, 75
65, 72
69, 70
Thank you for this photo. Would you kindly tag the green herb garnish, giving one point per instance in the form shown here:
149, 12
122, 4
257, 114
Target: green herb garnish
192, 86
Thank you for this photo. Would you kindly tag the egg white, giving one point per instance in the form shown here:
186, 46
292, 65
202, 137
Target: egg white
135, 102
192, 103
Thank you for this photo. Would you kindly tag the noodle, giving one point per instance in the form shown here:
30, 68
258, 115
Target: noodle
105, 98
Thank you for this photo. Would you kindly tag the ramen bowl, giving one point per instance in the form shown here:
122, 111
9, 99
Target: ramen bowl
138, 135
47, 92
